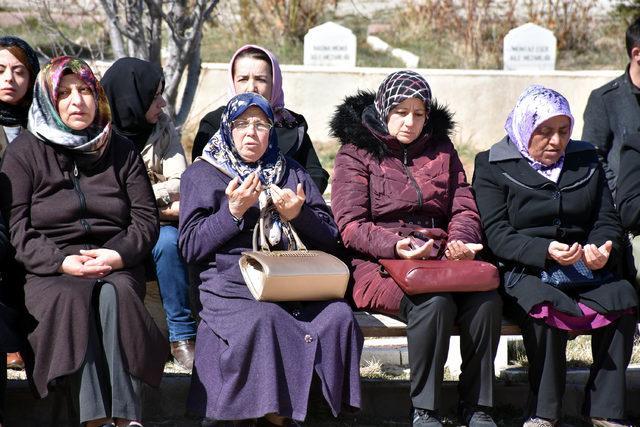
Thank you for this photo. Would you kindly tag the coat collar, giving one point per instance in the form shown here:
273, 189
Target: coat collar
517, 169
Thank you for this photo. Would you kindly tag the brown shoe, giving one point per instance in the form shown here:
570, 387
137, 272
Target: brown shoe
14, 361
182, 352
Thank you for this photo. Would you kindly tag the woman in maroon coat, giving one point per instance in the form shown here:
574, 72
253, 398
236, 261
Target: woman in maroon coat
82, 218
396, 172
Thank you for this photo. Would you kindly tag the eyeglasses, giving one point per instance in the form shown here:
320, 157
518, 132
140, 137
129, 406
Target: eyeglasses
259, 126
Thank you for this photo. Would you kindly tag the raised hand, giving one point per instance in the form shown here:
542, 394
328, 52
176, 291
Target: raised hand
458, 250
407, 248
287, 203
596, 257
242, 196
564, 254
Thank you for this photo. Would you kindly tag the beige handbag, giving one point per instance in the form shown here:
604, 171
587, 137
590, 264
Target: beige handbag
294, 275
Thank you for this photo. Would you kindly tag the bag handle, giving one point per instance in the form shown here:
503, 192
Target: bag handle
258, 230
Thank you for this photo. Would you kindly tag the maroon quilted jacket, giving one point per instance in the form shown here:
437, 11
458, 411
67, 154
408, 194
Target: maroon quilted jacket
381, 188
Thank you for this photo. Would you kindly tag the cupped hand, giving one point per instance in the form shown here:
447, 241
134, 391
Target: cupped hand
596, 257
458, 250
242, 196
103, 256
564, 254
75, 265
407, 249
288, 203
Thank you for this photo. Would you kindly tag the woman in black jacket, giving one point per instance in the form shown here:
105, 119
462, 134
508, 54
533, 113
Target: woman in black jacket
546, 210
255, 69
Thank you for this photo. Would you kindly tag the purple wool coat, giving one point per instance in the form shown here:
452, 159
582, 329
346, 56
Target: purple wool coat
254, 358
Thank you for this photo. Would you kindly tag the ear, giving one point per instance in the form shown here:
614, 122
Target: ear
635, 54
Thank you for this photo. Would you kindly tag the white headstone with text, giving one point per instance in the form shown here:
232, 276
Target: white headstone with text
529, 47
330, 45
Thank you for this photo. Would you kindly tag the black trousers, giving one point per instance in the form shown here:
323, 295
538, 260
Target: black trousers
605, 390
430, 319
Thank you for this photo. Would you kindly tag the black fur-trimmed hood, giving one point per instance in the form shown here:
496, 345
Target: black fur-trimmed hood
346, 123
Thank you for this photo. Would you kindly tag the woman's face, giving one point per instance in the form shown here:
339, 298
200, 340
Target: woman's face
76, 104
153, 113
250, 133
14, 78
407, 119
549, 140
252, 75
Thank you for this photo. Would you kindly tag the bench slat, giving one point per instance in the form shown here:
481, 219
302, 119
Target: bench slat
379, 325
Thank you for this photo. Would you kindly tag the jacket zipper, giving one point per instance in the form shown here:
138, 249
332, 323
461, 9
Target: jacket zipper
83, 201
411, 178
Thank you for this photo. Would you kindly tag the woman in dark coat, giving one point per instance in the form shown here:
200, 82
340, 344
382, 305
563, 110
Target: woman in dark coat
254, 358
545, 206
19, 67
18, 70
255, 69
396, 172
82, 218
134, 89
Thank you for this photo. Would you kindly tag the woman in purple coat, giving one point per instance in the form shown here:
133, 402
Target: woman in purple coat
257, 359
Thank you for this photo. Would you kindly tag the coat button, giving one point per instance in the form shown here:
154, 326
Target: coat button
556, 195
557, 221
308, 339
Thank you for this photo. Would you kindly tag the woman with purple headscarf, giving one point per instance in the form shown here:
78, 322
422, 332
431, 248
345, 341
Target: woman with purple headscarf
550, 221
255, 69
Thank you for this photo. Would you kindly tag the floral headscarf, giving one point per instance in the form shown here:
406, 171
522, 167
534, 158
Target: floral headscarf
535, 105
281, 114
44, 120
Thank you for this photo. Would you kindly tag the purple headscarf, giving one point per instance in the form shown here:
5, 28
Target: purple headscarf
535, 105
282, 116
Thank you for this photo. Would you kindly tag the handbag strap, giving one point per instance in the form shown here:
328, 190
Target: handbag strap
258, 231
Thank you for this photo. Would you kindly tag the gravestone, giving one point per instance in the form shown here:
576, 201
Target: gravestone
330, 45
529, 47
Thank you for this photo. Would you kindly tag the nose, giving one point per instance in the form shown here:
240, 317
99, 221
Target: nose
7, 75
408, 120
252, 86
162, 102
76, 97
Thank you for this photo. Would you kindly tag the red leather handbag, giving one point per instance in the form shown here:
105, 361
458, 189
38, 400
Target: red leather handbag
431, 276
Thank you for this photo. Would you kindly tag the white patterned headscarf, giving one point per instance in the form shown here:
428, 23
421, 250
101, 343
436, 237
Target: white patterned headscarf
535, 105
399, 86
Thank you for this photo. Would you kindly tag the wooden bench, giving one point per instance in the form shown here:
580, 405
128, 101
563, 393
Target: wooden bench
379, 325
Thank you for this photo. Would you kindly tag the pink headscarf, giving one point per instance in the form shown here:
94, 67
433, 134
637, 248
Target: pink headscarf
282, 116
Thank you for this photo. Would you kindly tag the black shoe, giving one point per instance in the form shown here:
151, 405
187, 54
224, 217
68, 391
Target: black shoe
474, 416
425, 418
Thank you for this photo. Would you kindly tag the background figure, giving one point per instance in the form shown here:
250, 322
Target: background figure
255, 69
612, 115
82, 217
18, 70
258, 359
397, 172
546, 207
134, 89
19, 67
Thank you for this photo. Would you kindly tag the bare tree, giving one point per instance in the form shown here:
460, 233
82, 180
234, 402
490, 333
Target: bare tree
133, 28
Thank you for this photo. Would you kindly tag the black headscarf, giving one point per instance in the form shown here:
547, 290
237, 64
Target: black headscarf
131, 85
14, 115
